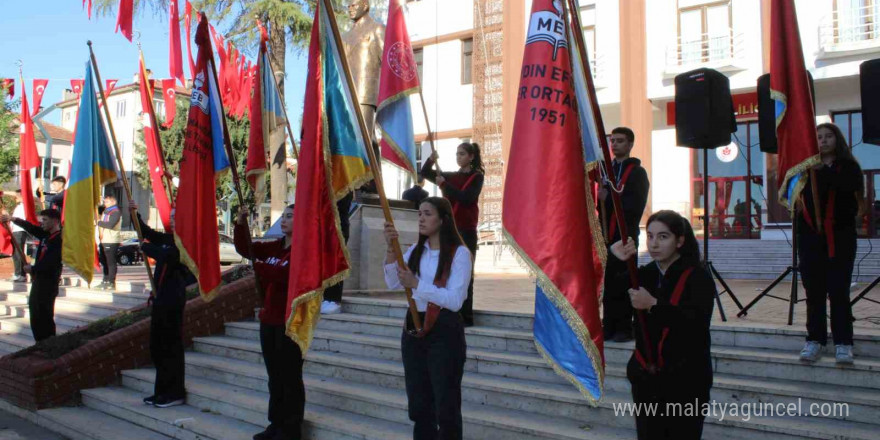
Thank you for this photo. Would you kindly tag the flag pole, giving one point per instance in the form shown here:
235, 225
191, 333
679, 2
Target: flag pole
132, 211
283, 107
374, 165
151, 113
40, 169
569, 6
234, 167
428, 127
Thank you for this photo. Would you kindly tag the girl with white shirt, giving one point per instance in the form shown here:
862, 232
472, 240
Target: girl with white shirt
438, 271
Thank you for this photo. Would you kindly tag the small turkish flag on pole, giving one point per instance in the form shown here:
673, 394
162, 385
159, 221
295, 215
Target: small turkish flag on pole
39, 90
124, 18
168, 93
77, 85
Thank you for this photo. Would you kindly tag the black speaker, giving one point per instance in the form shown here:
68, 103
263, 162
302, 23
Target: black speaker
869, 73
767, 113
703, 109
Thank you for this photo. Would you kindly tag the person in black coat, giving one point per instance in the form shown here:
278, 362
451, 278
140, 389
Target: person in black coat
45, 272
417, 193
172, 278
55, 199
671, 365
632, 181
828, 250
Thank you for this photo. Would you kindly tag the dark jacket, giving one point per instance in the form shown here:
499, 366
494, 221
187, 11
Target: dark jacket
686, 348
415, 194
843, 179
463, 192
272, 265
54, 201
47, 264
633, 197
170, 274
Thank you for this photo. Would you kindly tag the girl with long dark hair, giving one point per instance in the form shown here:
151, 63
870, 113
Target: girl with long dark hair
677, 296
462, 188
827, 249
438, 271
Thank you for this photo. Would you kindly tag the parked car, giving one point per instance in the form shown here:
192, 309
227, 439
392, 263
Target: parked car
228, 255
128, 252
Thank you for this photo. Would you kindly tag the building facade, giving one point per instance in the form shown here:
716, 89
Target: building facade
636, 48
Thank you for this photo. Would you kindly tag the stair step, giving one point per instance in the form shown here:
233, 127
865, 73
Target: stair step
81, 423
23, 326
397, 309
251, 406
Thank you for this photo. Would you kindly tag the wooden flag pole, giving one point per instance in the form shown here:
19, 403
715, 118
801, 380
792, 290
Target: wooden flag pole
632, 269
374, 165
430, 133
258, 287
132, 211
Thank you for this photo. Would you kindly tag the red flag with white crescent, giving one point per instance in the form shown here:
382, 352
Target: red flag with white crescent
155, 157
39, 90
109, 85
77, 85
168, 94
27, 156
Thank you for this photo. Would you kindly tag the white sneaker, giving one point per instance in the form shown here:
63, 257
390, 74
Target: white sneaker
811, 352
844, 354
330, 308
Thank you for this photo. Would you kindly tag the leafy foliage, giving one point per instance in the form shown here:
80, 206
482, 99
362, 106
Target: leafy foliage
9, 133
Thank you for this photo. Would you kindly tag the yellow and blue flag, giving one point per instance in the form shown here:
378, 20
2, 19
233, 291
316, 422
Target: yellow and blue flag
91, 167
348, 156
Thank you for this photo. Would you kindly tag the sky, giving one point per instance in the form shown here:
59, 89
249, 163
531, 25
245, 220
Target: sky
49, 37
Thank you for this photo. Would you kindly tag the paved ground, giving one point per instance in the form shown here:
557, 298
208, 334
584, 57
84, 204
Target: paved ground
14, 428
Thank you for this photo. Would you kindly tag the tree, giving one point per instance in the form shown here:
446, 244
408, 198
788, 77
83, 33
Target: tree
288, 22
172, 146
9, 133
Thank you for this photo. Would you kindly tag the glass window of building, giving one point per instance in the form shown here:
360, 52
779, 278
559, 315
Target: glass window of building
418, 55
704, 31
120, 109
467, 55
868, 155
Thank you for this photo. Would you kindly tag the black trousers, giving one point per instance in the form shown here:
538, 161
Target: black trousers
829, 278
467, 308
41, 306
287, 393
617, 309
107, 257
18, 260
334, 292
166, 341
433, 367
673, 395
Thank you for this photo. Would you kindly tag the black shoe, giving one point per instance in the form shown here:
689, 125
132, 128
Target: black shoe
622, 337
100, 286
168, 401
268, 434
109, 286
150, 400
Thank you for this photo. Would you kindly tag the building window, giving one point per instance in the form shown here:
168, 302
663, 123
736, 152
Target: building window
588, 23
868, 155
467, 54
418, 55
160, 109
856, 20
120, 109
704, 31
67, 116
51, 168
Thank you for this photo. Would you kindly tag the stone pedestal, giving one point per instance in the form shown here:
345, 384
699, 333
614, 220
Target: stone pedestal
366, 244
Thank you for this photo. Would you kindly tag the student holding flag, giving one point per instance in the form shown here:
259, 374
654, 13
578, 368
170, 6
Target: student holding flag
439, 268
678, 295
462, 188
828, 251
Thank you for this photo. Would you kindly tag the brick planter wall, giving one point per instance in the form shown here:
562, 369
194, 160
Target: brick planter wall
34, 382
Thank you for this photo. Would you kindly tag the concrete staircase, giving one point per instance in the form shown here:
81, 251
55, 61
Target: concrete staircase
76, 305
355, 386
734, 259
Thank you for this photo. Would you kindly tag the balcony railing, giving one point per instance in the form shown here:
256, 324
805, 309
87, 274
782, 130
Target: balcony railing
850, 29
712, 48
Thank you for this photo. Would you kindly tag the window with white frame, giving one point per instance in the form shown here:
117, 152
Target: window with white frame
704, 31
588, 26
856, 20
120, 109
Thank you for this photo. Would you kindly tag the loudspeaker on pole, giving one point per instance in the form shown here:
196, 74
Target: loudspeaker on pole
704, 116
869, 74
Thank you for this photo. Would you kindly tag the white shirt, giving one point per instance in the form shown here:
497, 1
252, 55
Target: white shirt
18, 212
450, 297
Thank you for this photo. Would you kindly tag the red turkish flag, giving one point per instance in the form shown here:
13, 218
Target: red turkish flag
77, 86
187, 23
39, 90
155, 157
124, 18
110, 85
175, 63
9, 85
168, 93
27, 156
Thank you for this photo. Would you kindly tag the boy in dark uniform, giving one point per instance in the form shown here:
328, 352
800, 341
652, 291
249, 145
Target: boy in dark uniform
632, 184
45, 272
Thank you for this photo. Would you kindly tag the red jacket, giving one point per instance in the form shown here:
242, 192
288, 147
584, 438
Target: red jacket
272, 265
463, 192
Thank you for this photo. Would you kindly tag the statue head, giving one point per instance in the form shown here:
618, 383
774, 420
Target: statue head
358, 8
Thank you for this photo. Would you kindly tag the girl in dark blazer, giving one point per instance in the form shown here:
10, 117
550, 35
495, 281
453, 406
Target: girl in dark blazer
462, 188
676, 295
